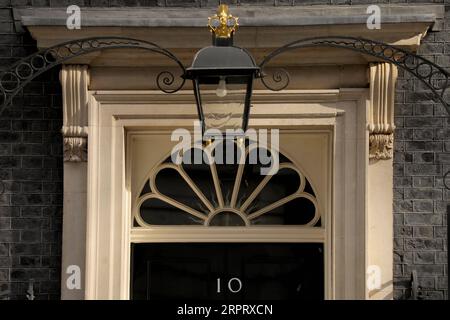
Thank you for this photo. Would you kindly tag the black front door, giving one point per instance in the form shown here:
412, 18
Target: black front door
229, 271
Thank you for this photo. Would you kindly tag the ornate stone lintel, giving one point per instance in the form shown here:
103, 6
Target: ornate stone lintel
75, 83
383, 77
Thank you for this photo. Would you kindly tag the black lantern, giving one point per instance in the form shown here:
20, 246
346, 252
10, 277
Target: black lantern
222, 77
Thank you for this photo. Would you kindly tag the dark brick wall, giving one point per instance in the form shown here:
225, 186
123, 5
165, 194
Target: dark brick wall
31, 164
422, 157
31, 177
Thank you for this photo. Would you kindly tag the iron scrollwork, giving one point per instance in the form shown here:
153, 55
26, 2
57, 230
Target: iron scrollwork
25, 70
433, 76
278, 80
447, 180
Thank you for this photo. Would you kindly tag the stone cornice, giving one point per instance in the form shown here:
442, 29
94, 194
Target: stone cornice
262, 29
249, 16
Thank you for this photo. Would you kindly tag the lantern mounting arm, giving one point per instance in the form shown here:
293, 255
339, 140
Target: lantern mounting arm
16, 77
433, 76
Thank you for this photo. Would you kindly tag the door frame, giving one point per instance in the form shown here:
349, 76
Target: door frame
323, 144
112, 113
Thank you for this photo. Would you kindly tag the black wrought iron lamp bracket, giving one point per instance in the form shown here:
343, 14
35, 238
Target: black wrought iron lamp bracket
17, 76
433, 76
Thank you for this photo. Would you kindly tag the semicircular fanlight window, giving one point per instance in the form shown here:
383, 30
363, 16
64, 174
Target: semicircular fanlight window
230, 191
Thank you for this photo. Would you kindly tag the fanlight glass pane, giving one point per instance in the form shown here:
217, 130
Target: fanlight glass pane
227, 155
296, 212
171, 184
157, 212
255, 161
200, 173
227, 219
146, 189
285, 183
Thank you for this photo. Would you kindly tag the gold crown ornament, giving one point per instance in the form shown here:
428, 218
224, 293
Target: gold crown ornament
223, 24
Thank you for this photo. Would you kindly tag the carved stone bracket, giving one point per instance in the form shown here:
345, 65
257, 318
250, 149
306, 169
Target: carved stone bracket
381, 146
75, 149
75, 83
383, 77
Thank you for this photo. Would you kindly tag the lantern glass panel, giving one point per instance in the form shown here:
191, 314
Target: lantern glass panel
223, 104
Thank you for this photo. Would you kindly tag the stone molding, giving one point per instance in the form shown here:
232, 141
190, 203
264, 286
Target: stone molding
262, 29
383, 77
75, 82
249, 16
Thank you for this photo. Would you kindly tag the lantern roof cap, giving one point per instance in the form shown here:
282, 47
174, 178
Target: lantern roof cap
222, 58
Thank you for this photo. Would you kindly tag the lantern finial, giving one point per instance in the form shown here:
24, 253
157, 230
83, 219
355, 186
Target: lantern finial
223, 24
